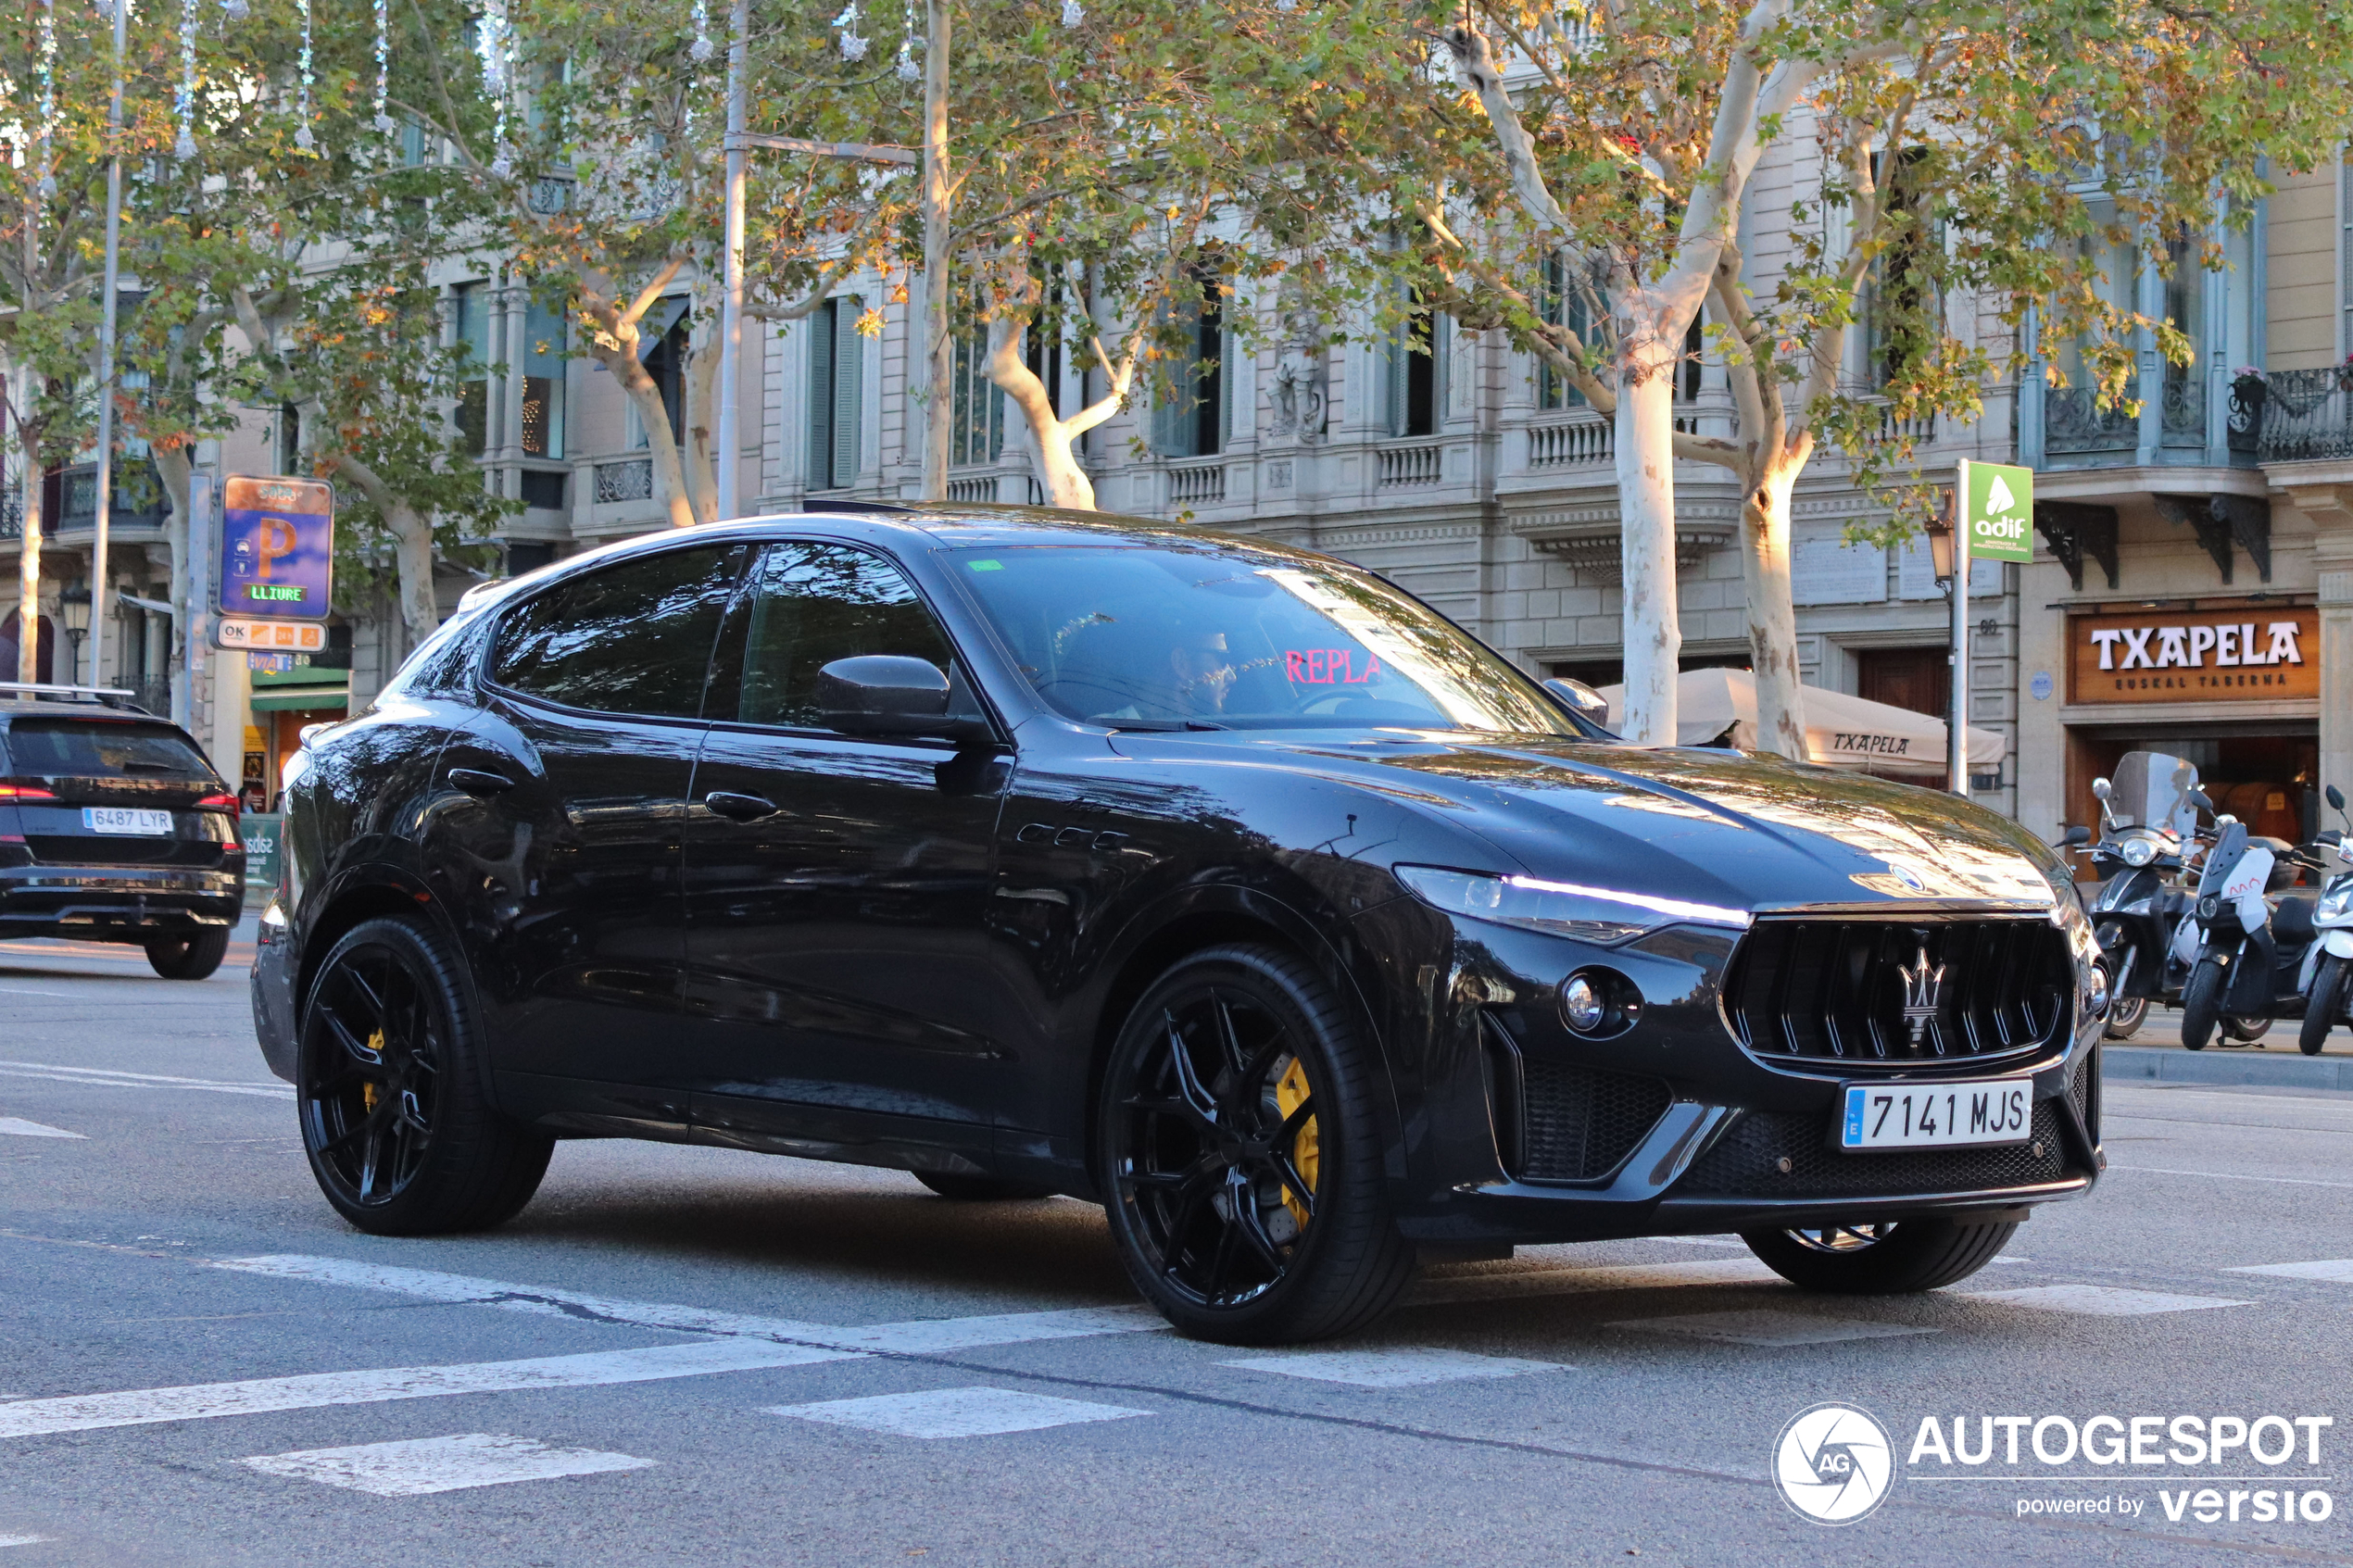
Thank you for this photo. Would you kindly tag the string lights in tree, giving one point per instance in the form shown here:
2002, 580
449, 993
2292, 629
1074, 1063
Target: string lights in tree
383, 64
48, 46
852, 46
1073, 14
908, 70
496, 53
702, 49
302, 138
183, 101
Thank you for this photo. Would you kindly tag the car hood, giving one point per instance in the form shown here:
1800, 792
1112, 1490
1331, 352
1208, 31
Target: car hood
1703, 825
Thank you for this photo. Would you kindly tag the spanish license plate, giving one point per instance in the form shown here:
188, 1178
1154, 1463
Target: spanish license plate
1948, 1116
127, 820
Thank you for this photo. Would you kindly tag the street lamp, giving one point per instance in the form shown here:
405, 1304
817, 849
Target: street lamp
73, 608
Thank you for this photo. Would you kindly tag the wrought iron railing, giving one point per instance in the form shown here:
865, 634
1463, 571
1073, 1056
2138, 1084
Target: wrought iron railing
2181, 411
629, 480
2306, 415
2074, 421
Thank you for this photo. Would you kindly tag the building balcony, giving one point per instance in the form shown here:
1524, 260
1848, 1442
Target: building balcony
2198, 419
2306, 416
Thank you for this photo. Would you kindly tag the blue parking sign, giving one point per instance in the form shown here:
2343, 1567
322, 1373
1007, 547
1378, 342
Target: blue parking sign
277, 548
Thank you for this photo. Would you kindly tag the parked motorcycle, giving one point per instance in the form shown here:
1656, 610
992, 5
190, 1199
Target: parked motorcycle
2147, 824
2246, 951
2327, 979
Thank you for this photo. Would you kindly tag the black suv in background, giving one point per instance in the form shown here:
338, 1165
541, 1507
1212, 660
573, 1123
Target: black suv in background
114, 828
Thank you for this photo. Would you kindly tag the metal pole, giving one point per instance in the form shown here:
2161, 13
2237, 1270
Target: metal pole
1957, 721
939, 410
730, 308
106, 354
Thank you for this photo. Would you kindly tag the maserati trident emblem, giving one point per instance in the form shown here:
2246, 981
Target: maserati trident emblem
1923, 989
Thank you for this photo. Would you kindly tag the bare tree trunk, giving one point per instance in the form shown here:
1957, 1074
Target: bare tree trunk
939, 413
1653, 633
1773, 614
412, 547
670, 474
1066, 484
29, 568
175, 464
703, 457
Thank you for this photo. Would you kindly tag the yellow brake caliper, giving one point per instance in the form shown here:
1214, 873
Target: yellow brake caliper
368, 1086
1290, 1095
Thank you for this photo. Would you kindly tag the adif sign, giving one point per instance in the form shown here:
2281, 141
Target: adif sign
1998, 500
2260, 652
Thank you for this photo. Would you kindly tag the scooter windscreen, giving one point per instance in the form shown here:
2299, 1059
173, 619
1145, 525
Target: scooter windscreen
2152, 789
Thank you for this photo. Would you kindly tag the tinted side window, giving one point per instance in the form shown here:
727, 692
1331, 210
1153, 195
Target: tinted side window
634, 638
811, 604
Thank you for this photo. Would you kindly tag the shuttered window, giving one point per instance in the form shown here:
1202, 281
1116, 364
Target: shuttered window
837, 394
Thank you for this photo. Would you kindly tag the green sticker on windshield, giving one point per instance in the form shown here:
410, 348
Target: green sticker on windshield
987, 565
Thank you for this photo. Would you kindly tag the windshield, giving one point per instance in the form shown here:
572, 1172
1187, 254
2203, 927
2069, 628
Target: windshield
1169, 636
101, 750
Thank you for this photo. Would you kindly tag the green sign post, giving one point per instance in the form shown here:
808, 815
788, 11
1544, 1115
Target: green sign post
1993, 517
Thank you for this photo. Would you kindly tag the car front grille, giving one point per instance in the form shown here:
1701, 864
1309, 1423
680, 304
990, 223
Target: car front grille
1895, 996
1582, 1122
1747, 1162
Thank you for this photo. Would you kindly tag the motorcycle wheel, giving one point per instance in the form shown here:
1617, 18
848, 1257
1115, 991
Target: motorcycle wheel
2247, 1029
2326, 1004
2202, 1003
2125, 1017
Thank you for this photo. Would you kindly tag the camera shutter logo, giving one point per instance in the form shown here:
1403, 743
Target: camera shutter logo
1923, 991
1833, 1463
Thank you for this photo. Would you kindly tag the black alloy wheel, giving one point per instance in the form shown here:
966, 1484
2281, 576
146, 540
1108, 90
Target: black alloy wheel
189, 958
1239, 1153
401, 1135
2326, 1004
1881, 1258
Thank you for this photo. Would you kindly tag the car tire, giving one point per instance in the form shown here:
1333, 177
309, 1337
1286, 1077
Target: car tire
2326, 1004
393, 1091
189, 958
1880, 1260
2125, 1017
2202, 1003
982, 1189
1237, 1150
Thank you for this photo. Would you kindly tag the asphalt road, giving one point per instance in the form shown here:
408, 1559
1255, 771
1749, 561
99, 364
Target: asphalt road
685, 1356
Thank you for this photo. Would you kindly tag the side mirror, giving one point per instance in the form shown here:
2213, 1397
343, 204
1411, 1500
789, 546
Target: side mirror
882, 693
2076, 837
2102, 788
1578, 698
2199, 799
2329, 839
2336, 797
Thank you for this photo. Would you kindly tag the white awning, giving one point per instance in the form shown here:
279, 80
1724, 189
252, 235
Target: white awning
1841, 730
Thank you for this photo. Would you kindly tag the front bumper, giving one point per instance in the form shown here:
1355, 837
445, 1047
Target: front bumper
117, 903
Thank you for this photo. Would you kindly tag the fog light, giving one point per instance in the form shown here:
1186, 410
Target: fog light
1582, 1005
2095, 992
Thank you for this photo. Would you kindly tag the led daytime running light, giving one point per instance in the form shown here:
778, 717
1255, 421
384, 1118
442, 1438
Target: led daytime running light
1704, 914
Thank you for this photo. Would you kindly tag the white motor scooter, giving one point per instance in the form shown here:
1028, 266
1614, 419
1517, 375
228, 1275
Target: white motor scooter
2327, 980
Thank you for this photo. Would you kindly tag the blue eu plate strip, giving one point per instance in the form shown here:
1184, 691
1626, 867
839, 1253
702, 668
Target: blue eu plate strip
1854, 1131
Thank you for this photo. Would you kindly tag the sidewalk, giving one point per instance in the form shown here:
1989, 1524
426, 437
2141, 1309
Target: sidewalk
2154, 1054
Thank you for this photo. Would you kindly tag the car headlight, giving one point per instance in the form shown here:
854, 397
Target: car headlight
2139, 851
2337, 903
1562, 908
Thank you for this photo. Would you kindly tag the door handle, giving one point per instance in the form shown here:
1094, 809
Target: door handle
474, 782
738, 808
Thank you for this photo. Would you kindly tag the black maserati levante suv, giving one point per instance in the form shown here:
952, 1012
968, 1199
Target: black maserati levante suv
1221, 883
114, 828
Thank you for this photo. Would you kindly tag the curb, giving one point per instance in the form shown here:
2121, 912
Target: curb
2161, 1065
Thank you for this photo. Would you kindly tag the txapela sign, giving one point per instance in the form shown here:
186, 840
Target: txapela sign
2249, 653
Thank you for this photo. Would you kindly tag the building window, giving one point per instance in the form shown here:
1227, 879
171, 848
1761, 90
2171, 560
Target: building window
1562, 303
289, 439
470, 305
666, 362
1189, 415
1410, 358
2345, 263
837, 394
979, 432
543, 381
1901, 309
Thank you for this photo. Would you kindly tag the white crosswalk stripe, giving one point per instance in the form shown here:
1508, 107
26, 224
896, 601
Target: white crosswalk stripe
107, 1078
16, 1126
956, 1412
417, 1466
2336, 1271
21, 1541
1392, 1369
1770, 1328
2097, 1300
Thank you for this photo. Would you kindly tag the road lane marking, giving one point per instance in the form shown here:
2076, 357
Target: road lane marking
106, 1077
21, 1541
2231, 1176
2338, 1270
956, 1412
1392, 1369
144, 1407
928, 1337
2097, 1300
1770, 1328
17, 1126
416, 1466
1609, 1277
